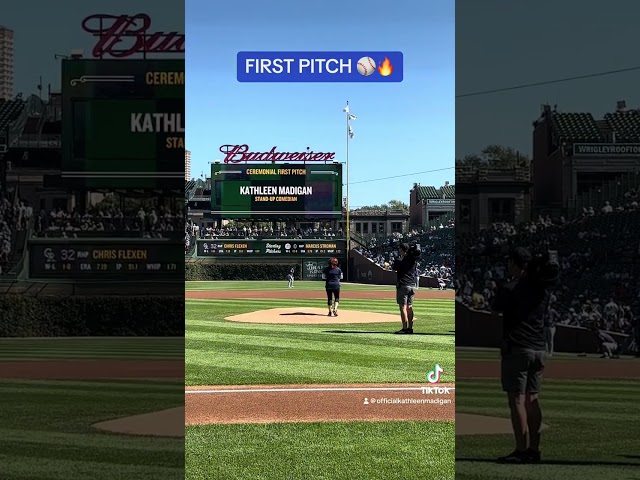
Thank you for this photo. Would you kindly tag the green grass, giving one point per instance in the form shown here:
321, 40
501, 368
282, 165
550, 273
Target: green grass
592, 432
275, 285
321, 451
115, 348
45, 426
219, 352
492, 354
46, 433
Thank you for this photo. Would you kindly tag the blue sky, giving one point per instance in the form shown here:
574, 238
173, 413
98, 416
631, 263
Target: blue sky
503, 44
401, 128
42, 29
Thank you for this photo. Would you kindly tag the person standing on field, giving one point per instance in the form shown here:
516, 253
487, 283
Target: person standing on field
332, 276
405, 268
290, 276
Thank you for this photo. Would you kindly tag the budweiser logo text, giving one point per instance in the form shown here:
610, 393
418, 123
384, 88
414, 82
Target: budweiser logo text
241, 153
122, 36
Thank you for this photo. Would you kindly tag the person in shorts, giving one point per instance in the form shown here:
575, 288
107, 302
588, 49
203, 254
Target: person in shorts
332, 276
523, 302
405, 268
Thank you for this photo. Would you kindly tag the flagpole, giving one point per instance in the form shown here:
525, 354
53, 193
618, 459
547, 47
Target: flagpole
348, 222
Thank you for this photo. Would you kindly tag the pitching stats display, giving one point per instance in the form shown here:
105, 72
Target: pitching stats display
123, 121
270, 248
146, 260
272, 190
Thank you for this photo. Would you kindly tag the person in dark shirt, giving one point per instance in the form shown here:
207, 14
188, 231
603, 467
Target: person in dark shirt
523, 303
405, 268
332, 276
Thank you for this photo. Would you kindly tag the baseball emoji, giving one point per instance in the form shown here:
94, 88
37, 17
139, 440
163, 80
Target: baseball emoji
366, 66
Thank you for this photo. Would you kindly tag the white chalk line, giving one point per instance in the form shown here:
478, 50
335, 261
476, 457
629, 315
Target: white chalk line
319, 389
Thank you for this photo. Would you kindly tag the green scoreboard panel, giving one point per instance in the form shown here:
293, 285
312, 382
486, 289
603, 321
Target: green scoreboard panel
123, 122
280, 248
302, 191
102, 259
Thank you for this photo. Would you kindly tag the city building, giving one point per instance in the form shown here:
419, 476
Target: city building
488, 195
431, 205
367, 223
187, 165
6, 63
580, 162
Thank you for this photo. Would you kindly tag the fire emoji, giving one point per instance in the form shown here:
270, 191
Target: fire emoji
385, 68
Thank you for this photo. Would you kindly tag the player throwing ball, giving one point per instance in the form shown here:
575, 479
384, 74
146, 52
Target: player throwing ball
332, 276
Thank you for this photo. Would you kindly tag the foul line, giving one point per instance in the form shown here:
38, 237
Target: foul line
321, 389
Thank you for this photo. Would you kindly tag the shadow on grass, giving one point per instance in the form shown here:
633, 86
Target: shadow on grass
585, 463
385, 333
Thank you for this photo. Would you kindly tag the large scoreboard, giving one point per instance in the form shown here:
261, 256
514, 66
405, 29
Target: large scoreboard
123, 122
274, 248
297, 191
101, 259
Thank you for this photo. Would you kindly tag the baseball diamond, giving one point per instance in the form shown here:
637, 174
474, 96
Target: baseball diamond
315, 393
103, 379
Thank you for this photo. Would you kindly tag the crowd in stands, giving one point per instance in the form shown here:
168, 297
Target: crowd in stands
437, 245
108, 220
599, 256
14, 215
253, 232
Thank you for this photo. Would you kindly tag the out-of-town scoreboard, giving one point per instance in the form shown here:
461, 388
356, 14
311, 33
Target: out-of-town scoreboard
123, 122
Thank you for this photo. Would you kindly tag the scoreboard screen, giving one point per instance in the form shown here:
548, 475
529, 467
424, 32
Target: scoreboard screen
271, 248
276, 190
145, 260
123, 121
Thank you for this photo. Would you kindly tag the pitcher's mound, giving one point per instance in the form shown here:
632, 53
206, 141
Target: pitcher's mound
165, 423
467, 424
311, 316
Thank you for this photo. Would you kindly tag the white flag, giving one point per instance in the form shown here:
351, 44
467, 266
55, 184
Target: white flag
352, 117
346, 109
351, 134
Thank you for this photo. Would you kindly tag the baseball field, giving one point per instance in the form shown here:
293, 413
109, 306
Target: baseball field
55, 392
590, 406
275, 389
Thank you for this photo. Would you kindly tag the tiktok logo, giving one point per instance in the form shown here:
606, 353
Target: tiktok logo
434, 375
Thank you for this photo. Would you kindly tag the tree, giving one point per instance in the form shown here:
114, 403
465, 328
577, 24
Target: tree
495, 156
397, 205
391, 205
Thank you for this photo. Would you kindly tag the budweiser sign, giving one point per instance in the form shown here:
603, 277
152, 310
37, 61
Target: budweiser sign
241, 153
121, 36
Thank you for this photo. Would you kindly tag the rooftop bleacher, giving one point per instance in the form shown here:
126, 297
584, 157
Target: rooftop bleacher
9, 111
626, 125
575, 128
